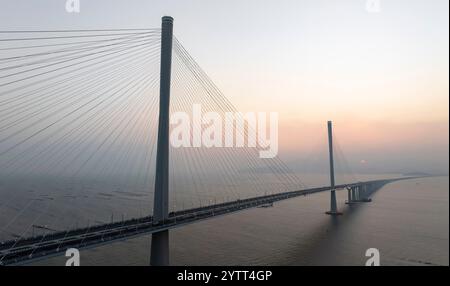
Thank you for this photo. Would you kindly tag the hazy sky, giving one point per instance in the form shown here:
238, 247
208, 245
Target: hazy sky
381, 77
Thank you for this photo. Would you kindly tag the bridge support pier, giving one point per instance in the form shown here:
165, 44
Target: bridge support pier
160, 249
351, 195
362, 194
333, 205
160, 241
358, 194
366, 194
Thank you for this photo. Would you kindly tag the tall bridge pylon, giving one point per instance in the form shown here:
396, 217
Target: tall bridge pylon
160, 240
333, 205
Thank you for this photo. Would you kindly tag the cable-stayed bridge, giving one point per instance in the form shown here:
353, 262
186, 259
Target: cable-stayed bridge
85, 108
32, 248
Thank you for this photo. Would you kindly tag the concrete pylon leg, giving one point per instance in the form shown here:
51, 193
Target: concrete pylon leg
333, 206
160, 249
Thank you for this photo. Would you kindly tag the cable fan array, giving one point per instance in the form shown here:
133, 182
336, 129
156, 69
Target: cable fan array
78, 130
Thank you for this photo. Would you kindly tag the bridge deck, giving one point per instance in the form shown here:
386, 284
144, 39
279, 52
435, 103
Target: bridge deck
19, 251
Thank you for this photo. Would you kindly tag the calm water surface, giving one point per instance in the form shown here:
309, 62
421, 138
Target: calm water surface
408, 221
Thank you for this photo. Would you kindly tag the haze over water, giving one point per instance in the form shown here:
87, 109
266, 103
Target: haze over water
407, 221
